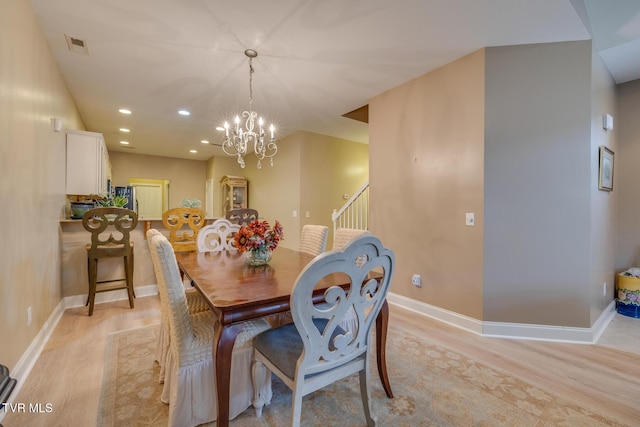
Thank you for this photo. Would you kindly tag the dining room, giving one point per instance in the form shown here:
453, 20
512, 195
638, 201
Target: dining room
484, 175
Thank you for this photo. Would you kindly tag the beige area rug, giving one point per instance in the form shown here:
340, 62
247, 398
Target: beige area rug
433, 386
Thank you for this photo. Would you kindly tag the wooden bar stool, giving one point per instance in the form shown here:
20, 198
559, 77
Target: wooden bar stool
110, 230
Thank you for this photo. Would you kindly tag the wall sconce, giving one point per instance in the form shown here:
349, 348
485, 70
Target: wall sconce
607, 122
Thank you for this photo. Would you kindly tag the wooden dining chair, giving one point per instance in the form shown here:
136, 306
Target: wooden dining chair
313, 239
183, 225
110, 230
218, 236
243, 216
189, 386
314, 351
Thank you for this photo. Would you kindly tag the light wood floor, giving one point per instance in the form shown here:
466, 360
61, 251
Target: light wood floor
68, 374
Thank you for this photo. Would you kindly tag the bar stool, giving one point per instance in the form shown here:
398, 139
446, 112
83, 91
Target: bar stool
103, 223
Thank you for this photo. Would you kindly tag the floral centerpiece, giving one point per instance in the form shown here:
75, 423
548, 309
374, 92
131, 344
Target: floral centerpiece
257, 240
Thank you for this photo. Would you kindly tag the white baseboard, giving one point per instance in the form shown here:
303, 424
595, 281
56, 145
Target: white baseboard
446, 316
509, 330
23, 368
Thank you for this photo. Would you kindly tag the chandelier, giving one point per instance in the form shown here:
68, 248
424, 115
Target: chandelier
239, 138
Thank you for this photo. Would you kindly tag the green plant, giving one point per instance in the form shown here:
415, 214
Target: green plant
110, 200
195, 203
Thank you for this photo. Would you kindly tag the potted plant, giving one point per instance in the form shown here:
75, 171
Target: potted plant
195, 203
111, 201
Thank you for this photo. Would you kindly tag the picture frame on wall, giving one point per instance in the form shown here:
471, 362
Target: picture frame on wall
605, 174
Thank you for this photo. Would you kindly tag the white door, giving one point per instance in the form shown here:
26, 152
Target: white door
149, 201
208, 198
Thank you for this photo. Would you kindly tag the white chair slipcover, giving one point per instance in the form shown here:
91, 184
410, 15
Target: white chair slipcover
189, 385
195, 303
313, 239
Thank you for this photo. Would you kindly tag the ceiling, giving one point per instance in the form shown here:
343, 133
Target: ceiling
317, 60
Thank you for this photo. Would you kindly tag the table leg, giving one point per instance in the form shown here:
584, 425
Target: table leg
224, 338
382, 322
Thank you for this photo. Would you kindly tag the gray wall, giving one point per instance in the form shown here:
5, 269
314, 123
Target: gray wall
537, 184
627, 175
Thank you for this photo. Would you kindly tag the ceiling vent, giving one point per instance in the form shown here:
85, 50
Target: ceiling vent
76, 45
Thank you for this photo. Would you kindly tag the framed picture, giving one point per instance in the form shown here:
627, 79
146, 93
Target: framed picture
605, 177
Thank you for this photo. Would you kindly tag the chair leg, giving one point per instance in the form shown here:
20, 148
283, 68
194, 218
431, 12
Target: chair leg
296, 403
93, 277
262, 392
132, 264
128, 274
366, 395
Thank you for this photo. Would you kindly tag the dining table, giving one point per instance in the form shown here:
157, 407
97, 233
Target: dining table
237, 292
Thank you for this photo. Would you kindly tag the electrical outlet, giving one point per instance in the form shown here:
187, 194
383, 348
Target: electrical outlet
470, 219
29, 315
416, 280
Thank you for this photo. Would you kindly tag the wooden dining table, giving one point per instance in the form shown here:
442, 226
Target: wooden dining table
237, 292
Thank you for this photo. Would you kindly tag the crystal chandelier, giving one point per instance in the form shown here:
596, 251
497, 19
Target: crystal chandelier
239, 138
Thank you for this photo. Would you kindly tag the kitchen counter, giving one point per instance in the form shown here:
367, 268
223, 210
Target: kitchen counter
74, 238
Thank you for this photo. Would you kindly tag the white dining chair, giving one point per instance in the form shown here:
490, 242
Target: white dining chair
341, 238
344, 235
314, 351
189, 385
313, 239
218, 236
195, 304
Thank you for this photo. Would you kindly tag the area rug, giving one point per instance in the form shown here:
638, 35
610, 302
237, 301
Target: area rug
433, 386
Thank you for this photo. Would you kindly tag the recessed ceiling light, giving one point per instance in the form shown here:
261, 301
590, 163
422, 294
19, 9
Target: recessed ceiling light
184, 113
124, 111
204, 141
124, 142
124, 130
193, 151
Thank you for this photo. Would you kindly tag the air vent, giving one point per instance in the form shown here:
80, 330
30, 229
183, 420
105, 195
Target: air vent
76, 45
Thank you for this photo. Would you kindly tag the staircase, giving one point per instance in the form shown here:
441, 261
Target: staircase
355, 212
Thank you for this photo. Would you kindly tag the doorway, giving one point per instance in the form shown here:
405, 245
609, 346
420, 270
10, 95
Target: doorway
152, 195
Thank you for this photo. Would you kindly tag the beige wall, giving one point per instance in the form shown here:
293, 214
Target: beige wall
426, 163
510, 133
187, 176
32, 175
217, 167
331, 168
311, 172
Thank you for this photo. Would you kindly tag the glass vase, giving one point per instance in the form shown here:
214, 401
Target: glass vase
259, 256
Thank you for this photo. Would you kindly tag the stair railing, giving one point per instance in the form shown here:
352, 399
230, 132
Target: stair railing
355, 212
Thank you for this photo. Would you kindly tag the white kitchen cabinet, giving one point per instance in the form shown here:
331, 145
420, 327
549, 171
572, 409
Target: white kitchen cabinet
87, 163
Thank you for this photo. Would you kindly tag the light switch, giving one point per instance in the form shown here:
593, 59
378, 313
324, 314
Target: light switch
307, 214
470, 220
295, 214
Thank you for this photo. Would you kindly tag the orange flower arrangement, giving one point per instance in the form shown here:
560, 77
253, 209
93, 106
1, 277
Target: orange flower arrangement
258, 235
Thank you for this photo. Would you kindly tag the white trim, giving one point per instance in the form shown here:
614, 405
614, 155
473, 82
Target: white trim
446, 316
509, 330
22, 369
